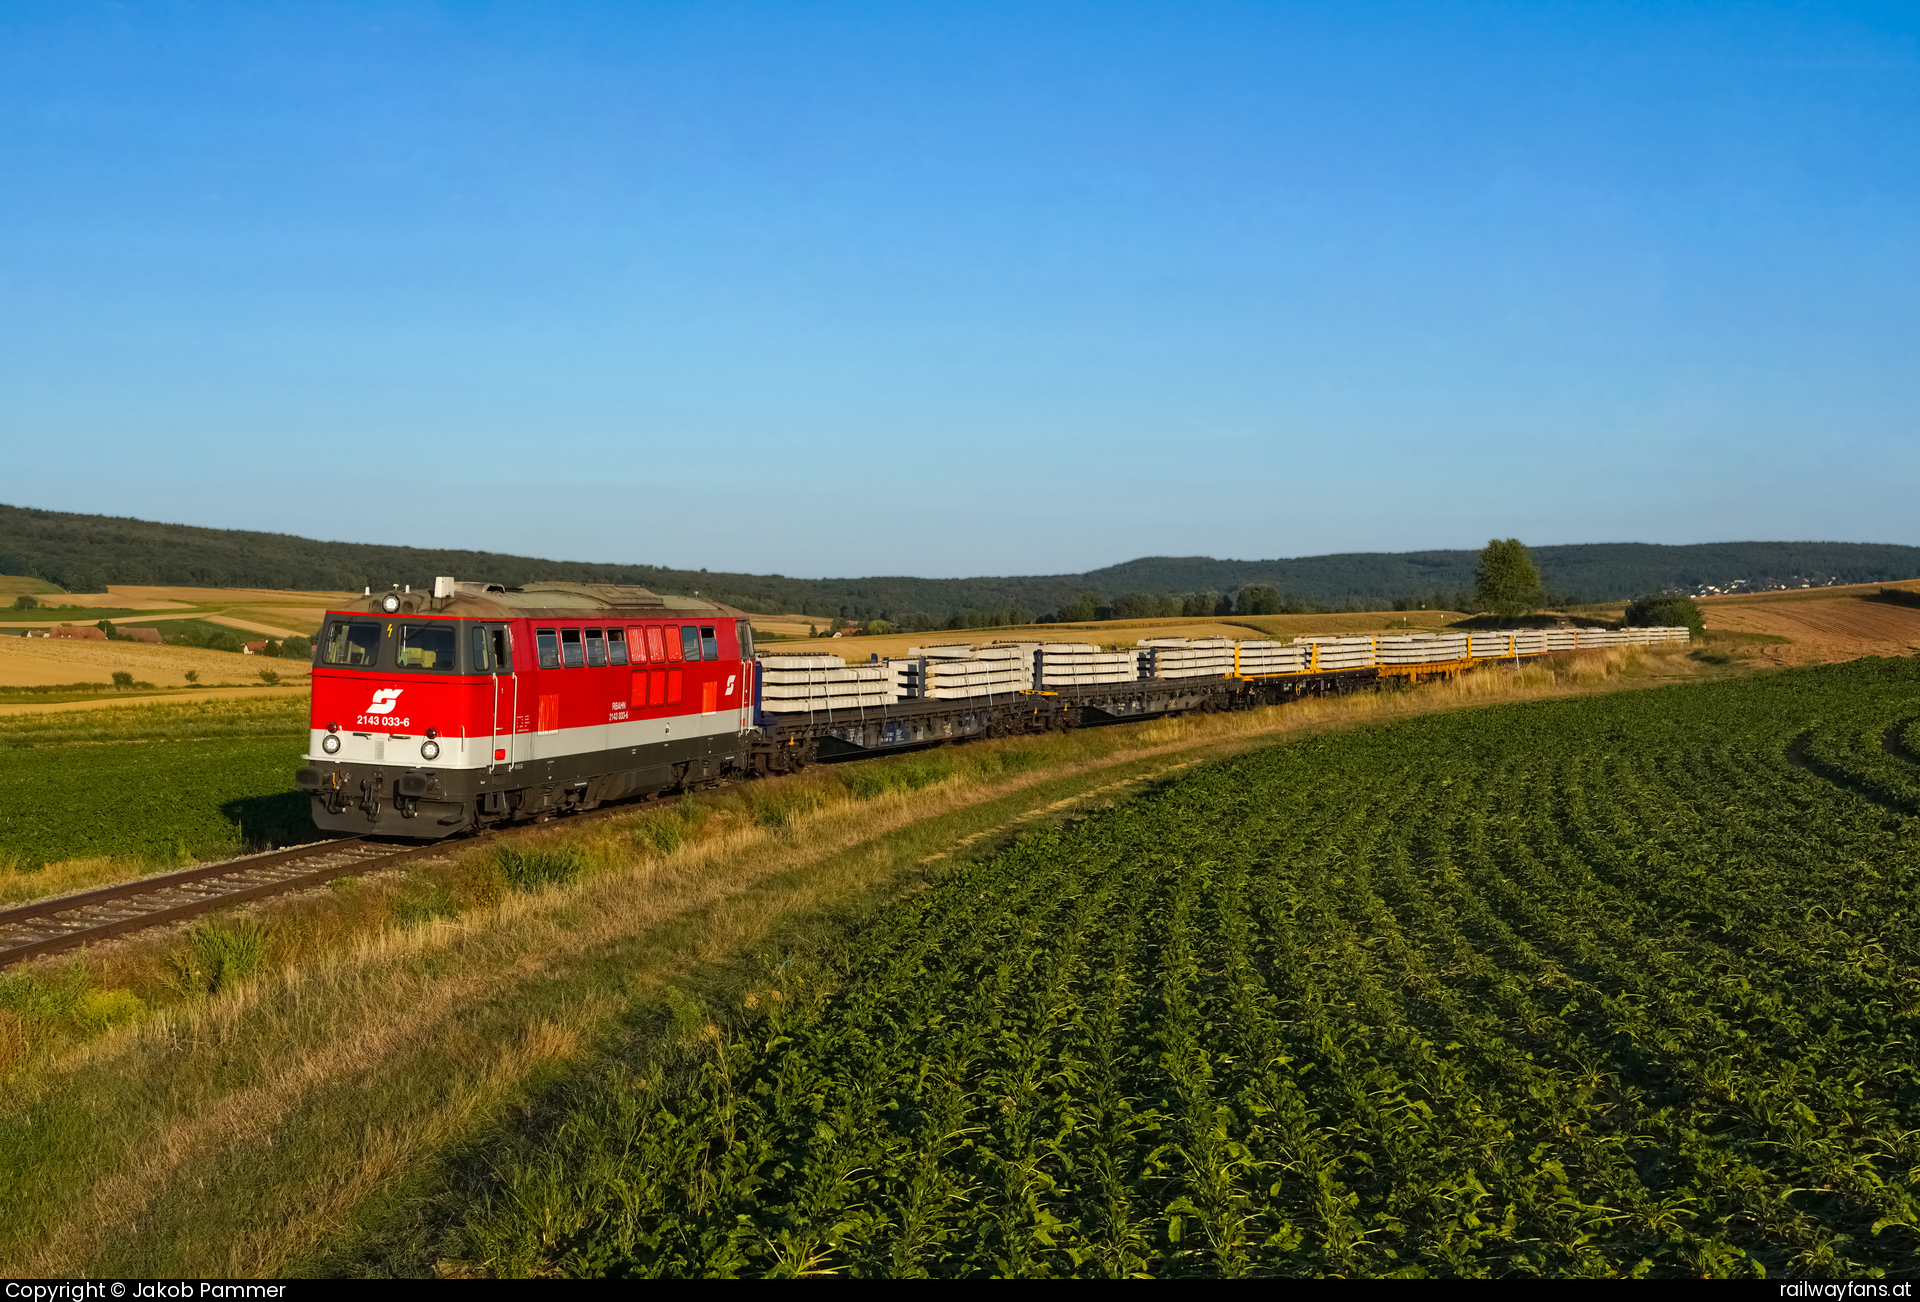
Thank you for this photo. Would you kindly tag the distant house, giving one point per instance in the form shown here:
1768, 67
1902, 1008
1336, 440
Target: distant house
255, 648
80, 632
141, 635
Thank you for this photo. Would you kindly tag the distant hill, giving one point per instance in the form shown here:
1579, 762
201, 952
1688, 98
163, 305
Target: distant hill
83, 553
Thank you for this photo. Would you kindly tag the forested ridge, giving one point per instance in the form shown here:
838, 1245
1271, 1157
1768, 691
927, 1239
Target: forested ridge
83, 553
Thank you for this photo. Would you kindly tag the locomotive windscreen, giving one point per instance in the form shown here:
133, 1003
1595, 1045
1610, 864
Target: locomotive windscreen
350, 642
426, 646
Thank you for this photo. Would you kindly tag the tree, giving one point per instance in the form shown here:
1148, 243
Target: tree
1257, 599
297, 647
1666, 610
271, 677
193, 675
122, 680
24, 603
106, 626
1081, 609
1506, 581
1201, 604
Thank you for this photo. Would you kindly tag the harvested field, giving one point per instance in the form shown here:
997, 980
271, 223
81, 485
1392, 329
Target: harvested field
303, 619
790, 625
43, 662
250, 626
1824, 626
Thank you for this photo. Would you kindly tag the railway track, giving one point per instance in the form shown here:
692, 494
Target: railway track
70, 921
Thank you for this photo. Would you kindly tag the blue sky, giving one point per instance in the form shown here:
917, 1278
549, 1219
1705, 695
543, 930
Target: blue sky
964, 289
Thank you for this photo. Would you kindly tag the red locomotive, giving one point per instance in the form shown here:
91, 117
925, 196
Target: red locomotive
479, 704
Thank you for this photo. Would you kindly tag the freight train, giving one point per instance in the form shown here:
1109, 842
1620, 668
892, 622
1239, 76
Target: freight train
475, 704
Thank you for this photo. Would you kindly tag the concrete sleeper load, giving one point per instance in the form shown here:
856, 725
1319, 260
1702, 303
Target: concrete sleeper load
1077, 664
959, 673
1001, 670
805, 684
1179, 657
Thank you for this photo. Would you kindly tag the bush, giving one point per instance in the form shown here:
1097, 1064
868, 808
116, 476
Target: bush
101, 1010
217, 956
193, 675
297, 648
24, 603
271, 677
122, 680
531, 870
1666, 610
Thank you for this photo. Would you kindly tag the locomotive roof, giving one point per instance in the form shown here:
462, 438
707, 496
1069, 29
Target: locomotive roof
546, 601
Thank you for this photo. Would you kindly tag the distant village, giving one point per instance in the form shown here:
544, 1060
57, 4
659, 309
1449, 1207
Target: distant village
1750, 585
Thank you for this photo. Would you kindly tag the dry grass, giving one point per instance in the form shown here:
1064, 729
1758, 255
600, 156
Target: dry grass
232, 1135
65, 878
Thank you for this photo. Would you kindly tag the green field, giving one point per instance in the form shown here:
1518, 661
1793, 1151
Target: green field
160, 785
1615, 986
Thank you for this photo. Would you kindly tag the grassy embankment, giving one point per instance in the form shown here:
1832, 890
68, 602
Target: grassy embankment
237, 1100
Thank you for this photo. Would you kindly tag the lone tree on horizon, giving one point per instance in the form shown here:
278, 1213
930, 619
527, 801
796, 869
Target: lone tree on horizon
1507, 581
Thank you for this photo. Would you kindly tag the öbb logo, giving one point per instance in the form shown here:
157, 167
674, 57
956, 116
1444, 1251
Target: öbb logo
380, 710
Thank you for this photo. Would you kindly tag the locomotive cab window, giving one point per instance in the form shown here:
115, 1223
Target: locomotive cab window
350, 642
488, 651
596, 648
549, 643
616, 646
690, 642
479, 650
571, 654
709, 644
426, 646
744, 631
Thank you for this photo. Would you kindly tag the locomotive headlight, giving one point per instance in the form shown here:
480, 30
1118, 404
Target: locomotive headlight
330, 743
391, 604
429, 750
